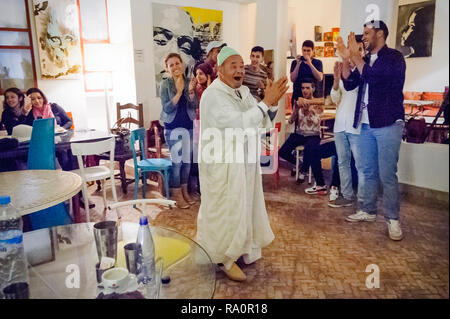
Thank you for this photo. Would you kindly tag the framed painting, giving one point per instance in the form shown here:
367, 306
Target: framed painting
58, 38
415, 29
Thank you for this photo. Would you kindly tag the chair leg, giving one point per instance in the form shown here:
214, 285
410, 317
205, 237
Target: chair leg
297, 160
309, 175
136, 185
104, 194
86, 202
166, 183
113, 188
123, 176
144, 183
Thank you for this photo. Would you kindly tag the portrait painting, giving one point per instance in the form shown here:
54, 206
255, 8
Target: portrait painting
58, 38
415, 29
183, 30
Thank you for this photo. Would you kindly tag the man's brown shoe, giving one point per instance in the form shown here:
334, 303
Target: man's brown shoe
235, 273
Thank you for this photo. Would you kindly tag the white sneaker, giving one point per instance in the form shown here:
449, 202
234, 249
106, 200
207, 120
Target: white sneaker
334, 193
395, 232
361, 216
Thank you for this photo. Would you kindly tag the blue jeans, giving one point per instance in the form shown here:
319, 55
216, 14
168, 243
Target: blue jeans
378, 151
180, 147
346, 144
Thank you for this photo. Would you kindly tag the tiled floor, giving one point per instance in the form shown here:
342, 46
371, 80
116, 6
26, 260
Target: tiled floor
317, 254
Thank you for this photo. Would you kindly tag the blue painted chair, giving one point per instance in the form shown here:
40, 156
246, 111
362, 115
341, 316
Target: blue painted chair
146, 165
41, 155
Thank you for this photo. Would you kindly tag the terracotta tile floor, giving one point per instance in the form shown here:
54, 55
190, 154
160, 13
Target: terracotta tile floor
317, 254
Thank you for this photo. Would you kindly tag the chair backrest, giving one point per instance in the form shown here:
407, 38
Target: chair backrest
138, 135
94, 148
22, 131
140, 110
41, 152
69, 114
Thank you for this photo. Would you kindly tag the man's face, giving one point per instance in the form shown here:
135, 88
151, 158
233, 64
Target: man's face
231, 72
256, 58
307, 90
307, 52
212, 54
371, 37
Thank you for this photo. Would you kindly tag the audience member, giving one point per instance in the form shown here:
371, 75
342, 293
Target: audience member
345, 135
179, 109
305, 67
255, 77
380, 77
306, 114
212, 50
62, 119
14, 112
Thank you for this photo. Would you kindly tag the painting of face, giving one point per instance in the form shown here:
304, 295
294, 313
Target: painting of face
415, 29
182, 30
57, 28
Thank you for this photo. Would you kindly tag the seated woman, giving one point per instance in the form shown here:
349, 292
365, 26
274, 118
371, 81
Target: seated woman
62, 119
179, 104
40, 105
14, 112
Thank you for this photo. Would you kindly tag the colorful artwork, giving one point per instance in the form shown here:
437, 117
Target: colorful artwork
415, 29
183, 30
57, 30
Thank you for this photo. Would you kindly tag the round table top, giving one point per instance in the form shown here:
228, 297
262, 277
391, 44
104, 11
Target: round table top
63, 261
34, 190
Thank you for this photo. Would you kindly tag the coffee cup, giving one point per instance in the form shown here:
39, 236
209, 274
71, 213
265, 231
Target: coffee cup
115, 277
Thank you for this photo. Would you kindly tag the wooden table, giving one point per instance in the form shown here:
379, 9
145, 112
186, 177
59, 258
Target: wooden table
34, 190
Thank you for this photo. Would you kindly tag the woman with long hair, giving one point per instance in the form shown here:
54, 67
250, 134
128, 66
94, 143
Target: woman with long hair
179, 106
14, 112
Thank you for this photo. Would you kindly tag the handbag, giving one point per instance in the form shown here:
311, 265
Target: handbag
123, 143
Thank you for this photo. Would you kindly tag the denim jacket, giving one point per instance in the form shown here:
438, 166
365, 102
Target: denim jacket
169, 110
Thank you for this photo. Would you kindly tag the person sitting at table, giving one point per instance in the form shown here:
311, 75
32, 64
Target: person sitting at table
13, 109
306, 114
62, 119
41, 109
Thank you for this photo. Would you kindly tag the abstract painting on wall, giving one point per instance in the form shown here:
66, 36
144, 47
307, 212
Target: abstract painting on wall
58, 38
415, 29
183, 30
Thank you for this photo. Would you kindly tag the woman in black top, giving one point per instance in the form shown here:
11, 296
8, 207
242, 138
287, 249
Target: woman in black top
62, 119
14, 110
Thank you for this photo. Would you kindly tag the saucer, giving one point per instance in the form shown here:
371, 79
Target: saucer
129, 286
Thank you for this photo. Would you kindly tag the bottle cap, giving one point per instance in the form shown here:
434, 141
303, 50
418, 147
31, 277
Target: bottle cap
143, 221
5, 200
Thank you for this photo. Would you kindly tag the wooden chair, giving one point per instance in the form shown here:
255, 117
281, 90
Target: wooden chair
122, 157
270, 153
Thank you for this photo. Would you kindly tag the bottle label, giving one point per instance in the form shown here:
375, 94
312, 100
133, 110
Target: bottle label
10, 240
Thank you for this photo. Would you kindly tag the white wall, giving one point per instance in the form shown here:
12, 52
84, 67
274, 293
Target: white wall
431, 74
308, 14
234, 22
424, 165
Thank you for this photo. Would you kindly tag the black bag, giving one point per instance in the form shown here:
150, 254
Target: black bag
123, 143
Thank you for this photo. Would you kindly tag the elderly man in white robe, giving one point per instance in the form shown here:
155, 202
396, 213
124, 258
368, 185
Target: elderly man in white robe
232, 221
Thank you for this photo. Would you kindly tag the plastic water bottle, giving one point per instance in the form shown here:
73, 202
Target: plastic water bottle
146, 259
13, 263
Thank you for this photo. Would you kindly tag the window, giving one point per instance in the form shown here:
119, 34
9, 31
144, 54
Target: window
95, 45
17, 66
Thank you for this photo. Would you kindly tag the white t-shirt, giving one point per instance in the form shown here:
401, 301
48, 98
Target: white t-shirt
365, 113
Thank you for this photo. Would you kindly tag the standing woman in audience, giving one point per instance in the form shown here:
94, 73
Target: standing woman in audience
203, 75
14, 112
179, 106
